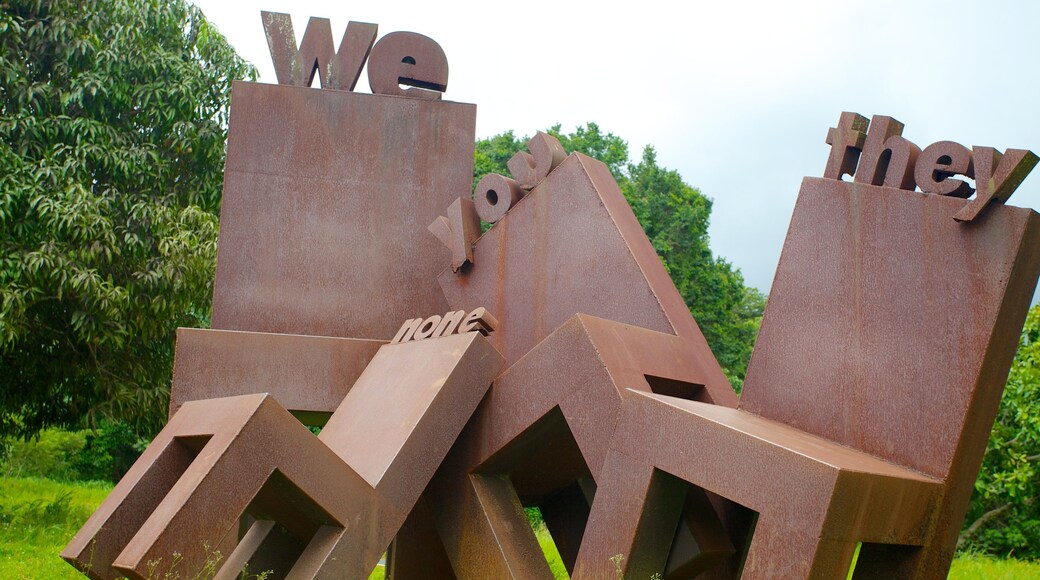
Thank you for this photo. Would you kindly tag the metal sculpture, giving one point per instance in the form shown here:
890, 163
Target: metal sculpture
325, 505
868, 401
590, 392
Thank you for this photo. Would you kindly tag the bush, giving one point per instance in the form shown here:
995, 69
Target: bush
51, 455
105, 454
109, 452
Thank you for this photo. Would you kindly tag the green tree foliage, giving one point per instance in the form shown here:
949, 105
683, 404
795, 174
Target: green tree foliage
491, 155
1004, 517
113, 117
675, 217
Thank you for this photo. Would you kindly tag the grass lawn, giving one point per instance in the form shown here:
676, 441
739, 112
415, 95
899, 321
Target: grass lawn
38, 517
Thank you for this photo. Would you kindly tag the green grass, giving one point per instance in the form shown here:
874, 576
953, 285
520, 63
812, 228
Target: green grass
552, 555
973, 566
38, 517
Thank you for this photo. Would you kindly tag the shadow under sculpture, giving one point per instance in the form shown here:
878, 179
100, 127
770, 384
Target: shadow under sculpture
869, 398
326, 506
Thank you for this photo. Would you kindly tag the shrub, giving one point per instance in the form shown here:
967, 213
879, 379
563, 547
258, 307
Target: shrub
105, 454
52, 455
109, 452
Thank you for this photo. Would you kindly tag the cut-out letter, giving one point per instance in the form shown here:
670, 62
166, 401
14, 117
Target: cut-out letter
529, 169
996, 177
450, 323
407, 330
887, 158
345, 68
427, 327
336, 70
846, 141
480, 320
494, 195
407, 58
937, 165
458, 231
294, 66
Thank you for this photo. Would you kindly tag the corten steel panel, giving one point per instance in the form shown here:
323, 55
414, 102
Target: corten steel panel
571, 385
423, 393
327, 196
880, 364
308, 375
584, 368
571, 245
890, 326
234, 444
815, 499
220, 458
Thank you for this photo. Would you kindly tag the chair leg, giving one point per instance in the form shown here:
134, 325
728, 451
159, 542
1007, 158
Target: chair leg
777, 551
893, 561
270, 464
632, 523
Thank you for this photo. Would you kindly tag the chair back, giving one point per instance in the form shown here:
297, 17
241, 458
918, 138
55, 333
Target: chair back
890, 327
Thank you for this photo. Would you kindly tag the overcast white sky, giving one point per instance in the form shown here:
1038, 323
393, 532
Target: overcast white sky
736, 96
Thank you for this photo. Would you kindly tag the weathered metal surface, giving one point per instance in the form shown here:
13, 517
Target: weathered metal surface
327, 196
341, 495
882, 156
308, 375
458, 231
889, 332
316, 54
895, 300
802, 487
410, 59
543, 432
571, 245
867, 404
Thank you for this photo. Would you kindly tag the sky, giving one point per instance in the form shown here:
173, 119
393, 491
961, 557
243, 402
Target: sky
735, 96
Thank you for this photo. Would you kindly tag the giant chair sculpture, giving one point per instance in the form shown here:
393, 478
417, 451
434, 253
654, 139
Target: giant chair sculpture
327, 200
323, 191
593, 396
874, 383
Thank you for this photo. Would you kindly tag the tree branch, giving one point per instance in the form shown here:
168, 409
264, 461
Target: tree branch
986, 517
974, 527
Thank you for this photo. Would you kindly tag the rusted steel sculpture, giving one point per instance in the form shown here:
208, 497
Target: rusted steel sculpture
866, 409
584, 388
327, 505
324, 194
868, 401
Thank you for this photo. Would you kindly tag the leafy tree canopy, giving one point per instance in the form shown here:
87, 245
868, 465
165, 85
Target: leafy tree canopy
675, 217
1004, 517
113, 117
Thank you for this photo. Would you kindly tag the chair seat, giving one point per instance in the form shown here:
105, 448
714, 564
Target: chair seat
792, 440
753, 461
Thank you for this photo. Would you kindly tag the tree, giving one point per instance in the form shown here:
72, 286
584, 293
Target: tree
675, 217
1004, 517
113, 121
